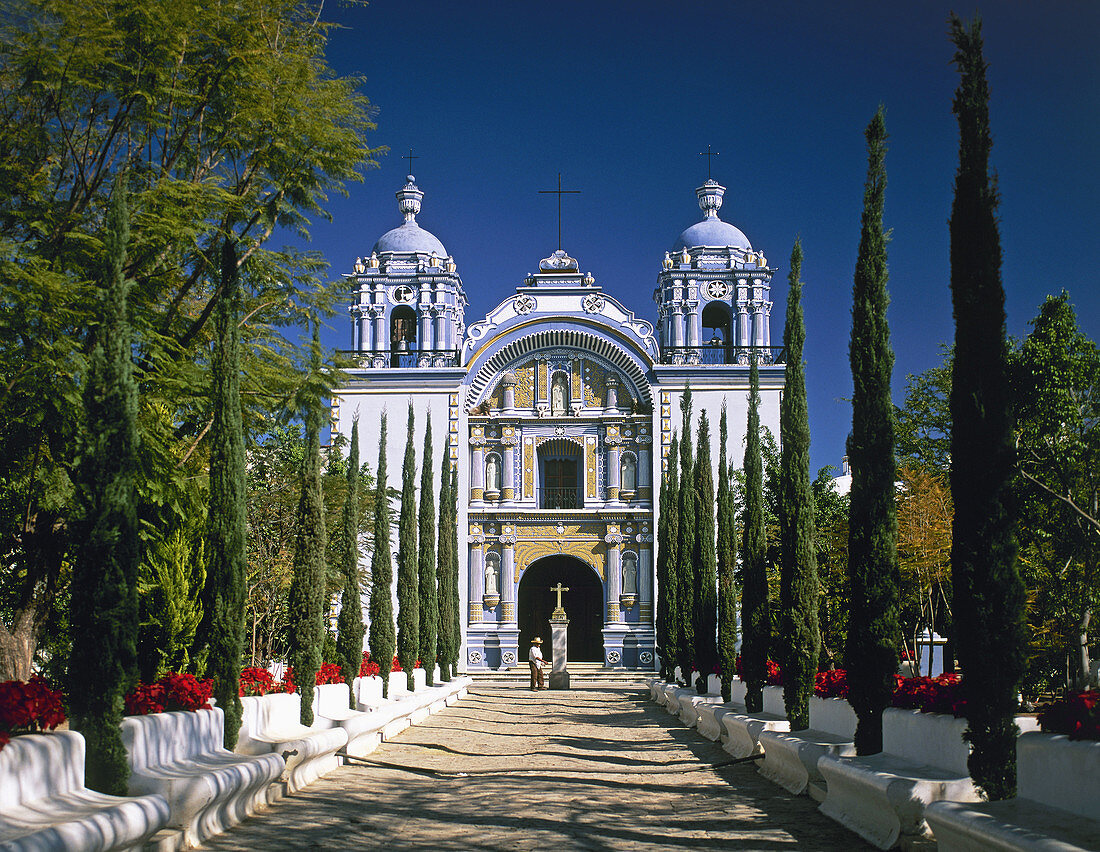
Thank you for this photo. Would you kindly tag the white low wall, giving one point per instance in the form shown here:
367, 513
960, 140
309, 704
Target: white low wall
1059, 772
833, 716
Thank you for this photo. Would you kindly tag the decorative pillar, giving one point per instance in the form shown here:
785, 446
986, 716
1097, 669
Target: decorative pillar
540, 389
645, 581
439, 342
508, 579
424, 337
508, 381
612, 403
477, 474
645, 482
507, 484
477, 577
614, 540
677, 326
694, 323
378, 315
614, 457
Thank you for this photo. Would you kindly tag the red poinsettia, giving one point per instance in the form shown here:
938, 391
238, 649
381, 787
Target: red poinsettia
369, 668
831, 684
256, 681
773, 675
28, 706
172, 691
329, 673
941, 694
1076, 714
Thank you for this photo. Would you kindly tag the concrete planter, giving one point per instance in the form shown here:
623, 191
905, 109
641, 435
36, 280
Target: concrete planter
833, 716
1059, 772
773, 701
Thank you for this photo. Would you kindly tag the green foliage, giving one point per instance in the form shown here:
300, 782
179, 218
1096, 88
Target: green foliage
726, 565
185, 96
308, 589
169, 605
988, 593
381, 638
831, 512
800, 637
426, 581
222, 627
755, 612
871, 653
668, 584
686, 533
924, 423
103, 665
448, 610
705, 579
408, 596
349, 624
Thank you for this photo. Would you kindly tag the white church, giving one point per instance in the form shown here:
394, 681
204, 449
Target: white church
558, 409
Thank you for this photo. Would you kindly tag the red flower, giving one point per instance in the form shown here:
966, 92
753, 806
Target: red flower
1076, 714
831, 684
256, 681
173, 691
941, 694
329, 673
29, 706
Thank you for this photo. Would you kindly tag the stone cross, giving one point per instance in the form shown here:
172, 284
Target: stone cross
559, 612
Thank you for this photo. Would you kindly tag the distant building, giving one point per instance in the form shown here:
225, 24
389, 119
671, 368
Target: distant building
559, 409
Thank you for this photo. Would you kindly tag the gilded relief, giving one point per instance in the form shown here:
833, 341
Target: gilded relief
525, 376
528, 467
589, 551
595, 385
590, 466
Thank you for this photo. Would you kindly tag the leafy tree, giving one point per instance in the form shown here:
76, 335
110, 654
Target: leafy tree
989, 595
800, 631
426, 581
871, 653
169, 588
831, 511
222, 627
349, 643
185, 96
923, 431
667, 579
307, 591
103, 665
755, 615
408, 596
1056, 378
727, 566
686, 533
448, 610
705, 580
381, 637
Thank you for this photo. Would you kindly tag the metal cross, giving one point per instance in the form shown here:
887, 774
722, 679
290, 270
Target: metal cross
409, 156
559, 192
708, 154
559, 588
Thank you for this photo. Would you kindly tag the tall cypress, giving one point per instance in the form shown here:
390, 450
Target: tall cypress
726, 567
871, 651
668, 585
307, 589
349, 625
452, 590
426, 582
685, 547
408, 597
381, 638
990, 636
798, 585
448, 613
755, 614
104, 605
706, 568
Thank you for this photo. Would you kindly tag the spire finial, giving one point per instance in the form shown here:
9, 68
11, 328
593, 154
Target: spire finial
710, 198
408, 199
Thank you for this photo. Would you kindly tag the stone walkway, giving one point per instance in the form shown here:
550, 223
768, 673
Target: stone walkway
509, 769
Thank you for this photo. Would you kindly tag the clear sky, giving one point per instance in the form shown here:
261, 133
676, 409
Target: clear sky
620, 97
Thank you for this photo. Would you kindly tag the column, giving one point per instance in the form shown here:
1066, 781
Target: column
439, 323
677, 321
645, 583
614, 456
694, 324
477, 474
614, 542
612, 403
508, 580
477, 577
378, 315
508, 380
542, 404
507, 484
424, 336
645, 481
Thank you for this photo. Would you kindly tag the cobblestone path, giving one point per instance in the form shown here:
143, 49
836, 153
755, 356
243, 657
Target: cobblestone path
509, 769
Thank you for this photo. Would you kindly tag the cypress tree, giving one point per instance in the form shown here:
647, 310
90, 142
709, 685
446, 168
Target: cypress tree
426, 582
798, 589
381, 637
727, 565
408, 597
706, 568
990, 634
668, 585
349, 625
307, 589
871, 650
448, 613
104, 605
685, 547
755, 614
452, 591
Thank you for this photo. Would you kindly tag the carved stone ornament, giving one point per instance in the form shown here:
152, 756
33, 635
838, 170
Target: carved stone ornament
593, 303
717, 289
613, 657
613, 538
474, 658
645, 657
524, 304
557, 262
508, 658
509, 540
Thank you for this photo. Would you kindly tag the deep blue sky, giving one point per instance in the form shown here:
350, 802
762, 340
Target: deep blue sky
497, 98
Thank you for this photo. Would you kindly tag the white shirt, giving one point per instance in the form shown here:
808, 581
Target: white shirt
535, 656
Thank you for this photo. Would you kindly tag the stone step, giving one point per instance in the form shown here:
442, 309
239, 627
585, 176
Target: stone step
579, 674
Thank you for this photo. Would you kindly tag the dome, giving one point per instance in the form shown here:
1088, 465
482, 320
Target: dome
712, 232
410, 237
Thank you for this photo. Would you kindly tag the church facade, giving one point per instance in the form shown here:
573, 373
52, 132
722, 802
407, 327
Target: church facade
558, 409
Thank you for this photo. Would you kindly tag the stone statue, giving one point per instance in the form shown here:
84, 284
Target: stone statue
630, 578
558, 395
492, 473
491, 578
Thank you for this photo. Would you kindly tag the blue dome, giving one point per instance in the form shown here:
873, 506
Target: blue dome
409, 237
714, 233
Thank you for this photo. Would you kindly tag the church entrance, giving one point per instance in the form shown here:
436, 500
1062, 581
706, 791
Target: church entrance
583, 604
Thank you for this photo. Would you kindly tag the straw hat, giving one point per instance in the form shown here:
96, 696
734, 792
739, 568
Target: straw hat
537, 640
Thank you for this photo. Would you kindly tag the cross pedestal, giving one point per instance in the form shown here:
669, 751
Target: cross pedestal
559, 644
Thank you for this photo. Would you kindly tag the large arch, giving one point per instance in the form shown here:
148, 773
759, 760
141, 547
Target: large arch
583, 604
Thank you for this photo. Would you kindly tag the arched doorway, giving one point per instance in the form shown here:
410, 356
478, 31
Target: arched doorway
583, 603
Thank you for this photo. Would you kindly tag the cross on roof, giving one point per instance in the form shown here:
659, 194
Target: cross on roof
409, 156
559, 192
708, 154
